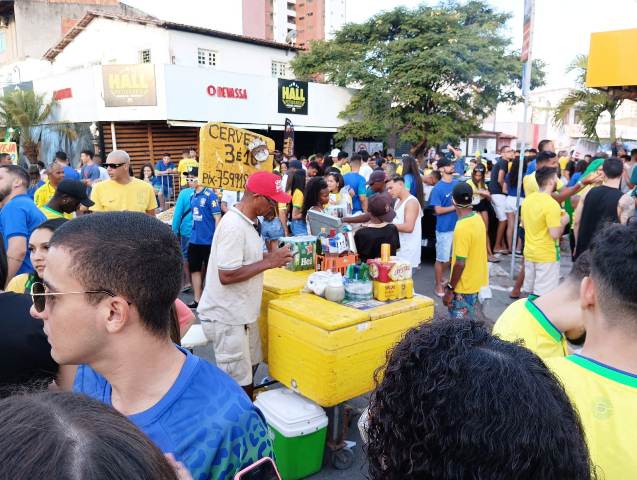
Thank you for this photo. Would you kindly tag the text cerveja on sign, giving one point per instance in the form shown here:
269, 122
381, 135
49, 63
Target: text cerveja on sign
225, 160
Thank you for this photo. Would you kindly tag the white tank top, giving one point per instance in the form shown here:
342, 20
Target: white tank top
410, 243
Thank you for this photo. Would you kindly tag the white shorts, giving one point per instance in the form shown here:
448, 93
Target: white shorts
541, 278
510, 204
499, 201
444, 241
237, 348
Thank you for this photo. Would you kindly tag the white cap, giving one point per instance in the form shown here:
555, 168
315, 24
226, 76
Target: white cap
335, 152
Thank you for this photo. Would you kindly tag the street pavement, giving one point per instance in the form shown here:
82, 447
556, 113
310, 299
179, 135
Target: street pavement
500, 286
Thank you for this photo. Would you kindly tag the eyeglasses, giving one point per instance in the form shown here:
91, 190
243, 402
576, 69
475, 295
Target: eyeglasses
113, 165
271, 202
39, 295
191, 179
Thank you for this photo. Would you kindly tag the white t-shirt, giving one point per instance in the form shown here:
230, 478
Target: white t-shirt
236, 243
366, 171
230, 197
103, 174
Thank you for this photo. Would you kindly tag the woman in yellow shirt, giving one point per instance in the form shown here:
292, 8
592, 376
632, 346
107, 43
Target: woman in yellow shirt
481, 200
297, 217
38, 251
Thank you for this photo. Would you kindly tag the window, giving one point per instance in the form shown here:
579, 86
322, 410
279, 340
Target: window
144, 56
206, 57
279, 69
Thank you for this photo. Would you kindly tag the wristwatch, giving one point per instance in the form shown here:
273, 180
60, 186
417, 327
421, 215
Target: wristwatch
449, 287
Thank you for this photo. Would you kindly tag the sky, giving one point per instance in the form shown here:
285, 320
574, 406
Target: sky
562, 27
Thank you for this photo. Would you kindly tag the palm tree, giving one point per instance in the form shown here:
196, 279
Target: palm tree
24, 109
590, 103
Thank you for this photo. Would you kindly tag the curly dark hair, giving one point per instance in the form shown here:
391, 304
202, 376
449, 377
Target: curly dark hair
457, 403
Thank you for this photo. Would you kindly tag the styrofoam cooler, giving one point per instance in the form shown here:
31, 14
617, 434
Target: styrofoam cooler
298, 428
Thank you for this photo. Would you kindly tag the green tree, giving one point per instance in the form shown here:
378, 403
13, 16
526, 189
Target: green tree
428, 75
590, 103
24, 109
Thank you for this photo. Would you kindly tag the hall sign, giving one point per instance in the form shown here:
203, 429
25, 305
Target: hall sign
229, 155
129, 85
227, 92
293, 97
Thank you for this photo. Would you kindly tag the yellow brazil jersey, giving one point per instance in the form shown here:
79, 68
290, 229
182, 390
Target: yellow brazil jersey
18, 283
345, 168
470, 244
529, 183
524, 321
43, 194
50, 214
185, 165
135, 196
297, 199
605, 399
540, 212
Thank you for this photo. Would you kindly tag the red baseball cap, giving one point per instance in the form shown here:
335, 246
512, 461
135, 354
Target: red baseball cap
269, 185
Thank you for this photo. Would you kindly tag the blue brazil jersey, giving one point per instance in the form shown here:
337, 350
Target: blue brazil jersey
205, 420
205, 205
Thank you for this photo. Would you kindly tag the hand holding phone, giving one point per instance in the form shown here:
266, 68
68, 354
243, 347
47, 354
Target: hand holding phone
263, 469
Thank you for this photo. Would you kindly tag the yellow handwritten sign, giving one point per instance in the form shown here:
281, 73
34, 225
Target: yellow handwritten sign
12, 149
225, 159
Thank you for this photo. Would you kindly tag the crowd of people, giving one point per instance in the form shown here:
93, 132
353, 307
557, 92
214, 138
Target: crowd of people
91, 282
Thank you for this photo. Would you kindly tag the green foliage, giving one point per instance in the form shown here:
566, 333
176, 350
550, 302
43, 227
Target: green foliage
590, 103
430, 75
24, 109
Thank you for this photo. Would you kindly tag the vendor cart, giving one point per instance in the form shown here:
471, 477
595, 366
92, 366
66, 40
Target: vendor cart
329, 352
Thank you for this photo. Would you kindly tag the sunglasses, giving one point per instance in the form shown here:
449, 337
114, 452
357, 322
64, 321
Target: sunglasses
39, 295
113, 165
271, 202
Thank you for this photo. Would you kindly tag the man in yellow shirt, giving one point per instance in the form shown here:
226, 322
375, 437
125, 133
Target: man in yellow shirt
561, 193
602, 380
469, 271
45, 193
543, 223
340, 162
187, 163
544, 323
69, 195
122, 192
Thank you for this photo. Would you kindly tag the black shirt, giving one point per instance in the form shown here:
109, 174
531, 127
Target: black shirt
600, 208
369, 239
494, 187
25, 353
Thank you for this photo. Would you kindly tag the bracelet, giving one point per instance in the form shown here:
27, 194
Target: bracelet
449, 287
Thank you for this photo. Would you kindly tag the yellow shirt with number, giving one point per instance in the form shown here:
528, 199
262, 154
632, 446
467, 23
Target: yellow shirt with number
43, 194
345, 168
136, 196
540, 212
524, 321
606, 399
185, 165
470, 244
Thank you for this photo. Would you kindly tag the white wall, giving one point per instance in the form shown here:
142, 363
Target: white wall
106, 41
237, 57
188, 100
335, 17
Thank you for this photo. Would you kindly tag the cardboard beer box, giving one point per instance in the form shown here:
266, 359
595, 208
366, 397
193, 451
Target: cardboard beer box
392, 271
304, 251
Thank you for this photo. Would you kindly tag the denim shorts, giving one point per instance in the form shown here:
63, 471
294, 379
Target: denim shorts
272, 229
183, 243
443, 246
298, 227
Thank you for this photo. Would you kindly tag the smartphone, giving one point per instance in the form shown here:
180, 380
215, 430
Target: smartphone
264, 469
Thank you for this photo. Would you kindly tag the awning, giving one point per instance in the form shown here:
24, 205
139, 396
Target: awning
256, 126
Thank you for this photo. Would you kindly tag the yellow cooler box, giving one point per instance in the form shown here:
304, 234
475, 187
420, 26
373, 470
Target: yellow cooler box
278, 283
329, 352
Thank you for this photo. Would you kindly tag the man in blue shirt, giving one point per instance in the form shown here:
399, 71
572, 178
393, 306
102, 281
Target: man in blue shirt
182, 224
69, 172
543, 146
118, 332
89, 172
446, 217
357, 184
206, 213
164, 170
18, 218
